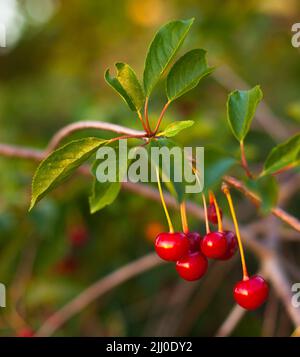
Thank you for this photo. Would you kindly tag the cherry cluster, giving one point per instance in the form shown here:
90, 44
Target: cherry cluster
191, 252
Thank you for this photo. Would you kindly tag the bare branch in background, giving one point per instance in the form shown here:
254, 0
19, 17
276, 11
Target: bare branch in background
96, 290
230, 323
276, 211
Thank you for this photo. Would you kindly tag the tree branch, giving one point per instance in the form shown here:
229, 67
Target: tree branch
96, 290
230, 323
83, 125
256, 200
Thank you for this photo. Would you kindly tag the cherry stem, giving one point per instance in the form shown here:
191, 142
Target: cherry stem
205, 214
284, 169
142, 121
244, 160
184, 221
171, 228
161, 116
226, 191
212, 198
147, 116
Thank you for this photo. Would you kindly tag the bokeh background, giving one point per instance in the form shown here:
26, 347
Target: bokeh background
51, 74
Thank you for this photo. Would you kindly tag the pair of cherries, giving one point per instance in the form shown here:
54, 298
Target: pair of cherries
184, 249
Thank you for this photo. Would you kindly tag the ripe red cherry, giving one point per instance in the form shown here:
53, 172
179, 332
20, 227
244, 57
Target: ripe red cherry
212, 213
194, 239
232, 245
214, 245
78, 236
171, 246
192, 266
25, 332
66, 266
251, 293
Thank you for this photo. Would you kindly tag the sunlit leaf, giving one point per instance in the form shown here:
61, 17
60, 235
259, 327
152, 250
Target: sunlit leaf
176, 127
127, 85
60, 164
186, 73
162, 50
284, 155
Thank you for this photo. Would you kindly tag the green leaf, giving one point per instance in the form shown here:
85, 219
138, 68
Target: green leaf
216, 164
127, 85
286, 154
241, 107
104, 193
162, 50
175, 128
267, 189
186, 73
60, 164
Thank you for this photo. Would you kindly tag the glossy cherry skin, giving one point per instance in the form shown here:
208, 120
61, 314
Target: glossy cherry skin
192, 266
195, 240
214, 245
232, 245
212, 213
171, 246
251, 293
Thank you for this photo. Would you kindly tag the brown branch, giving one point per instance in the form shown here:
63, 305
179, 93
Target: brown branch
230, 323
256, 200
272, 267
84, 125
96, 290
21, 152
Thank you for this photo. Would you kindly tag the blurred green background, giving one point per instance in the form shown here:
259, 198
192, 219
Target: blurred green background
51, 74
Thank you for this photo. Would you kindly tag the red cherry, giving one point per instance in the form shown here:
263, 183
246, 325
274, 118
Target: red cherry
25, 332
232, 245
66, 266
251, 293
195, 239
78, 236
171, 246
214, 245
192, 266
212, 213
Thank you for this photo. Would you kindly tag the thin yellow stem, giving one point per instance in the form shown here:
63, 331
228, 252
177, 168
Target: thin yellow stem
220, 224
205, 214
184, 221
161, 116
203, 200
226, 191
171, 228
